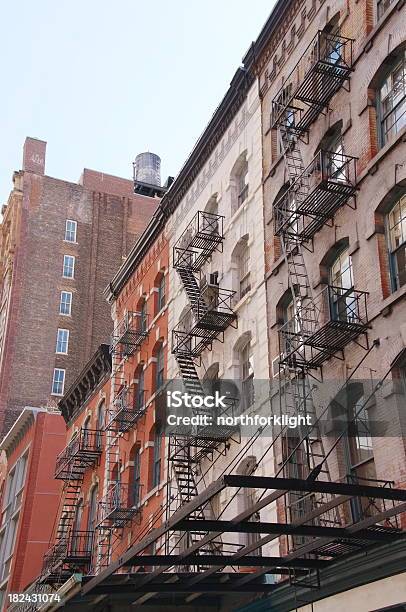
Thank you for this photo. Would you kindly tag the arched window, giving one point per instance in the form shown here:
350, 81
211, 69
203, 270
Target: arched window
92, 514
343, 305
159, 367
140, 388
161, 297
241, 262
142, 309
156, 460
391, 92
246, 364
101, 413
396, 237
349, 413
135, 477
239, 182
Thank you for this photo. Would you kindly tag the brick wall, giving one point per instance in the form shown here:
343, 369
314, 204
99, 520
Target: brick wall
109, 220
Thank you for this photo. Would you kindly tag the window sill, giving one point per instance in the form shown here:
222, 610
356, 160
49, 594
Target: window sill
394, 297
273, 167
70, 241
156, 317
242, 301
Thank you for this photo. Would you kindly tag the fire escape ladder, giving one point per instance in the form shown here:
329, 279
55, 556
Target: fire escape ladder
192, 290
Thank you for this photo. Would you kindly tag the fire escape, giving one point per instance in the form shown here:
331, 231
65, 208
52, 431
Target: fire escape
120, 504
73, 548
210, 314
323, 324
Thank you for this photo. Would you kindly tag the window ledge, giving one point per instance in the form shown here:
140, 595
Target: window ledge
394, 297
275, 267
243, 300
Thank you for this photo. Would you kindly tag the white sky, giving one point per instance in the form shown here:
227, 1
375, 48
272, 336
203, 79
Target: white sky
102, 80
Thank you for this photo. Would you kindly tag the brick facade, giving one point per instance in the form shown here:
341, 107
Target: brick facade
109, 218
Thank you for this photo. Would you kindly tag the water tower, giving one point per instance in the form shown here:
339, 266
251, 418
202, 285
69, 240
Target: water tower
147, 169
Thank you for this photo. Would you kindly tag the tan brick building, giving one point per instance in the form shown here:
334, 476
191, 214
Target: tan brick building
61, 243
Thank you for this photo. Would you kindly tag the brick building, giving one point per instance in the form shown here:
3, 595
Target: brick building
29, 494
112, 466
301, 272
61, 243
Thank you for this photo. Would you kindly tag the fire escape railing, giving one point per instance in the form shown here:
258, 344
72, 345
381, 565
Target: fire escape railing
203, 236
119, 506
323, 327
321, 71
209, 316
82, 452
129, 333
74, 550
128, 406
327, 183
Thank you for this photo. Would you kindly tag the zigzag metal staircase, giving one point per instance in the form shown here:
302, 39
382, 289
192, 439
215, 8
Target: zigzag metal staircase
210, 314
71, 548
313, 196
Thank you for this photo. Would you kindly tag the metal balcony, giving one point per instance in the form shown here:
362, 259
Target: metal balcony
71, 552
311, 201
82, 452
321, 71
128, 407
323, 327
129, 333
119, 506
209, 317
203, 236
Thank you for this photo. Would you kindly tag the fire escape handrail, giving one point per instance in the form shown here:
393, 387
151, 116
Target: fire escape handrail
118, 499
313, 54
325, 166
86, 440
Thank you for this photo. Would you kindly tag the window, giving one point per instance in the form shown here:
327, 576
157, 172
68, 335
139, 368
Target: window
135, 494
65, 303
140, 391
62, 340
396, 230
70, 230
161, 294
58, 382
238, 182
383, 6
245, 281
392, 100
68, 266
92, 515
160, 365
156, 476
242, 184
247, 375
10, 513
143, 316
343, 304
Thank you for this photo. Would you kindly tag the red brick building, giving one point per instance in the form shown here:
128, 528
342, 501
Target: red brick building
61, 243
29, 497
112, 466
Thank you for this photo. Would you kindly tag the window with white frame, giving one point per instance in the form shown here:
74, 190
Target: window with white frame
392, 99
244, 265
10, 513
396, 231
58, 381
161, 294
247, 375
68, 266
70, 230
65, 303
62, 341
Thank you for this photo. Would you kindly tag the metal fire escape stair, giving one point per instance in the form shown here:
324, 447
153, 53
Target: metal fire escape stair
194, 248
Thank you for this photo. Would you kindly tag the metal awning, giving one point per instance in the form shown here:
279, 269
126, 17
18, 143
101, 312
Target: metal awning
322, 547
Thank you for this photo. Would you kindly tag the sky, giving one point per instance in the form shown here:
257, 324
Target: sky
101, 81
